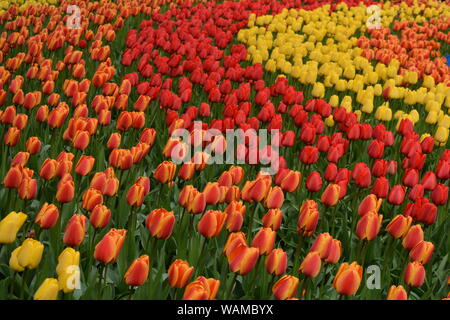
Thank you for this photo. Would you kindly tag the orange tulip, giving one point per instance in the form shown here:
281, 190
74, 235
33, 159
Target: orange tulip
165, 172
135, 195
179, 273
202, 289
272, 219
65, 190
160, 223
91, 198
422, 252
330, 197
264, 240
47, 216
412, 237
309, 217
414, 274
108, 249
368, 226
75, 230
348, 278
137, 273
84, 165
276, 262
274, 198
397, 293
399, 226
322, 244
285, 288
100, 216
369, 203
242, 259
311, 264
211, 223
235, 216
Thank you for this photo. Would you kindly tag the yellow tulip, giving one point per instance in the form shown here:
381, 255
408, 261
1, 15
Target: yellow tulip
68, 270
428, 82
334, 100
318, 90
30, 254
441, 135
48, 290
329, 121
14, 261
432, 117
10, 225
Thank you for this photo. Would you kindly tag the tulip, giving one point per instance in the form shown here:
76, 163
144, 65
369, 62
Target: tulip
361, 175
137, 273
399, 226
314, 182
410, 177
309, 155
397, 293
202, 289
276, 262
369, 203
33, 145
335, 252
10, 225
272, 219
380, 187
27, 188
397, 195
311, 264
100, 216
211, 223
135, 195
75, 230
235, 216
330, 196
285, 288
65, 191
234, 240
160, 223
179, 273
13, 177
348, 278
412, 237
416, 192
274, 198
28, 255
368, 226
264, 240
322, 244
107, 250
242, 259
165, 172
47, 216
212, 193
429, 181
308, 219
290, 181
12, 137
422, 252
91, 198
187, 171
439, 196
68, 269
84, 165
48, 169
414, 274
48, 290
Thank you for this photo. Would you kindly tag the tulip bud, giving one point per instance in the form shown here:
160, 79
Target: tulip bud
272, 219
399, 226
330, 196
322, 244
397, 293
422, 252
107, 250
33, 145
242, 259
91, 198
135, 195
211, 223
311, 264
100, 216
47, 216
348, 278
137, 273
29, 254
308, 219
10, 225
397, 195
179, 273
165, 172
85, 165
414, 274
369, 203
274, 198
75, 230
264, 240
68, 269
48, 290
65, 191
160, 223
368, 226
202, 289
276, 262
439, 196
413, 237
335, 251
13, 177
235, 216
285, 288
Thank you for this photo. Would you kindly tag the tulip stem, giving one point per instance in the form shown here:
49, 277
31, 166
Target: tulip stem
201, 259
13, 280
22, 291
250, 223
301, 239
91, 246
333, 217
230, 286
132, 291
